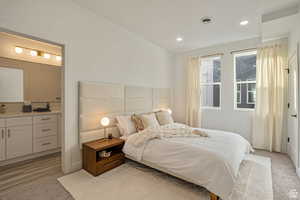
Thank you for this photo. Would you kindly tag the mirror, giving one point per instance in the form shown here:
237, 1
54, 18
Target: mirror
11, 85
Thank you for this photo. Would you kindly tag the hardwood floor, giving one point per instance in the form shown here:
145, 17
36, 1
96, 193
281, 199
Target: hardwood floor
37, 179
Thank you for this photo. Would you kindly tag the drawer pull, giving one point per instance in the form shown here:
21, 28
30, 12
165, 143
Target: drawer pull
8, 133
46, 129
47, 143
45, 118
2, 133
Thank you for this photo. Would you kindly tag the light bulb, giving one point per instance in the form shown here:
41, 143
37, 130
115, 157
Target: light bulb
58, 58
169, 111
18, 50
33, 53
46, 55
244, 23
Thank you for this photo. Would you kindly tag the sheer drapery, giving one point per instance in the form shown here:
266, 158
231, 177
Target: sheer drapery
193, 96
269, 120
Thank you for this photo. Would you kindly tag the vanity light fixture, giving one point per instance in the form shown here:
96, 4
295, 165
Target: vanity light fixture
46, 55
18, 50
33, 53
169, 111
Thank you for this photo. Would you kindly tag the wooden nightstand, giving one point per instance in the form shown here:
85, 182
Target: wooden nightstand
94, 163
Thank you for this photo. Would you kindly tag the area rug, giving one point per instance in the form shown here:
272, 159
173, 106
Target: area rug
133, 181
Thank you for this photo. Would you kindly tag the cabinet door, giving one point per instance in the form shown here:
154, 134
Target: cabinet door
2, 144
18, 141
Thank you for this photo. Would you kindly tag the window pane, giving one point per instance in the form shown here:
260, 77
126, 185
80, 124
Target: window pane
251, 97
245, 67
211, 70
244, 98
210, 95
251, 86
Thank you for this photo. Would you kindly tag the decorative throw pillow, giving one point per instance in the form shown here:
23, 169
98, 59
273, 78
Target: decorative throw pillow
164, 117
138, 122
126, 125
149, 120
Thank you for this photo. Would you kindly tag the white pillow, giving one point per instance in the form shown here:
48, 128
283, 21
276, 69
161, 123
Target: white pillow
149, 120
164, 117
126, 125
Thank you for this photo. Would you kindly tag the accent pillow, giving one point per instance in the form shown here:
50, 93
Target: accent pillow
149, 120
164, 117
138, 122
126, 125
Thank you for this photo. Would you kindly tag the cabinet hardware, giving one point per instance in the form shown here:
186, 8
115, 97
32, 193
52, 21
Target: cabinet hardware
46, 118
47, 143
294, 116
2, 133
8, 133
46, 129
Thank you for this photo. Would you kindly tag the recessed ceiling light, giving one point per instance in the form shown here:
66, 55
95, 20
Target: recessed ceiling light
244, 23
206, 20
179, 39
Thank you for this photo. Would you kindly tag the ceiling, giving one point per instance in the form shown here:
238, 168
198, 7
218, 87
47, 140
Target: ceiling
162, 21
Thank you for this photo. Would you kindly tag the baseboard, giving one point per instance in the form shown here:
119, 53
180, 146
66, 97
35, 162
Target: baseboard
28, 157
76, 166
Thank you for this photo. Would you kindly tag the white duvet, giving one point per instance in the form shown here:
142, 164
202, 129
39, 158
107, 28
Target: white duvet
212, 162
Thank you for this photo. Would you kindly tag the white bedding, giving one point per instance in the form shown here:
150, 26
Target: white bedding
212, 162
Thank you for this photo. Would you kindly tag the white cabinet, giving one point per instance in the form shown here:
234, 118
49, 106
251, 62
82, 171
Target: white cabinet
2, 144
24, 135
18, 141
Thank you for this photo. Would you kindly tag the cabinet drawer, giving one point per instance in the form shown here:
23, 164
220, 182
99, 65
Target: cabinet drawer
44, 144
2, 123
45, 119
18, 121
44, 130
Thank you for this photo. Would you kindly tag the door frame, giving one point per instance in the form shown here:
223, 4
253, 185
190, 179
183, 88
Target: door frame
64, 163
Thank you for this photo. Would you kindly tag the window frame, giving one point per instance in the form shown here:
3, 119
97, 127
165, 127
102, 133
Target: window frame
254, 92
212, 84
235, 82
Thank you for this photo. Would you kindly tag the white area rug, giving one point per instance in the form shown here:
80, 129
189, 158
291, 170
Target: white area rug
133, 181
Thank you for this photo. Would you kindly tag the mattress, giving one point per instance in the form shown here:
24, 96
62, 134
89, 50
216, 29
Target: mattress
212, 162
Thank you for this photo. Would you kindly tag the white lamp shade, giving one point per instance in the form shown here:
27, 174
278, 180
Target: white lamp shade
105, 121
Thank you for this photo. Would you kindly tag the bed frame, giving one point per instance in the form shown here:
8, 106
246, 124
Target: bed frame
97, 100
154, 166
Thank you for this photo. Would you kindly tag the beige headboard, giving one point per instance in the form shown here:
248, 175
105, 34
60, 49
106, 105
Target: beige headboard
97, 100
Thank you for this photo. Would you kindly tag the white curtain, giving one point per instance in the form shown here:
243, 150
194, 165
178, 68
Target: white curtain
193, 97
269, 116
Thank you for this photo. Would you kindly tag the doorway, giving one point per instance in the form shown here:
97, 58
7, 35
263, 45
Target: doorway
293, 86
36, 109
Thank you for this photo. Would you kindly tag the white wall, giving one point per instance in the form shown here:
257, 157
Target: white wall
96, 50
226, 118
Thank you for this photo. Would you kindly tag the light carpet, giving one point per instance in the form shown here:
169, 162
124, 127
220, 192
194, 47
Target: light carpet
133, 181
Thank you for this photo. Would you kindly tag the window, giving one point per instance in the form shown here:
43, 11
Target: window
210, 82
245, 79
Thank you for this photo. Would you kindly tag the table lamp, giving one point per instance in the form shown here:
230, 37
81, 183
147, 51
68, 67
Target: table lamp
105, 122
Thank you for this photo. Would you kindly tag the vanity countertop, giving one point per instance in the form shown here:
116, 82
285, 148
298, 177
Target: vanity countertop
22, 114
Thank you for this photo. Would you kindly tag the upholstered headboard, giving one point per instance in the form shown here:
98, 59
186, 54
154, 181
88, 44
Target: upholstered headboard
98, 100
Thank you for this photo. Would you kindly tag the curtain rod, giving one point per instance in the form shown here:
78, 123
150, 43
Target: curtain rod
212, 55
242, 50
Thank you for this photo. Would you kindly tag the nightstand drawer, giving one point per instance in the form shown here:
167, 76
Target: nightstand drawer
103, 168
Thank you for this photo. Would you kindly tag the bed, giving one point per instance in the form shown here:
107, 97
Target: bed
212, 162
